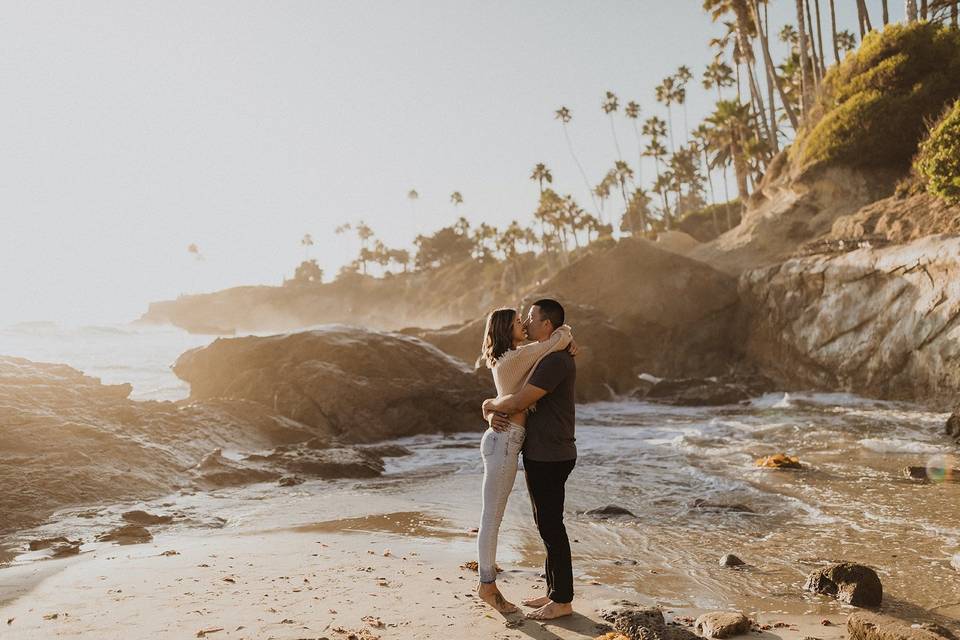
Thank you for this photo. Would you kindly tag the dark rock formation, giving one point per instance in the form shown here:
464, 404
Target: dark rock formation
144, 518
356, 385
851, 583
609, 511
644, 624
953, 425
702, 392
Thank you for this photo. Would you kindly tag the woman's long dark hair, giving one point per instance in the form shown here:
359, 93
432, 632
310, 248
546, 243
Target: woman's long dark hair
498, 336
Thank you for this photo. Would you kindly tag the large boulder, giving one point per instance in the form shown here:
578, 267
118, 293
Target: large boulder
880, 322
636, 623
722, 624
848, 582
607, 363
680, 313
353, 384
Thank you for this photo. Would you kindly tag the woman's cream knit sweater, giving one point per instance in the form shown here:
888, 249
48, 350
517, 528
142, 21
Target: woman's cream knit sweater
515, 367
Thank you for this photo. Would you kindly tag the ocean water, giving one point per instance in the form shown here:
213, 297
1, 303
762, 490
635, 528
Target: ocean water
687, 474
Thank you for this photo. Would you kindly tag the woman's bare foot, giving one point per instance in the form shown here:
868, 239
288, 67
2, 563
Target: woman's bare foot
551, 610
535, 601
492, 596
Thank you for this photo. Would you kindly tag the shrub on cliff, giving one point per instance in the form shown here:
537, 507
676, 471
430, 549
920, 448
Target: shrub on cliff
939, 159
872, 108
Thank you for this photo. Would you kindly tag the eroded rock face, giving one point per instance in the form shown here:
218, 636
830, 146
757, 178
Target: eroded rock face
356, 385
880, 322
851, 583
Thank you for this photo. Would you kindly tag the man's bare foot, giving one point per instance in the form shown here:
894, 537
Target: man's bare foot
536, 601
492, 596
551, 611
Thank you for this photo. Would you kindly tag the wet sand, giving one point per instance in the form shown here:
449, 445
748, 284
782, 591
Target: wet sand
390, 574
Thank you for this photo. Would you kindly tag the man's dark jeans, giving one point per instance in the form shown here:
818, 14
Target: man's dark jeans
545, 483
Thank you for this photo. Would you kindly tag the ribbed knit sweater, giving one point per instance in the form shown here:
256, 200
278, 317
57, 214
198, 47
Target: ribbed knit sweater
514, 368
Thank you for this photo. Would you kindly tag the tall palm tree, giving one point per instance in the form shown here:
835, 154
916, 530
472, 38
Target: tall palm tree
456, 198
823, 64
863, 17
717, 75
910, 9
886, 11
603, 190
773, 80
565, 116
632, 111
833, 31
610, 105
623, 174
306, 242
540, 174
683, 76
701, 138
666, 94
806, 91
730, 123
814, 58
745, 29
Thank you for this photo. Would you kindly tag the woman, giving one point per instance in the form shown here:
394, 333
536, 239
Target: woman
512, 366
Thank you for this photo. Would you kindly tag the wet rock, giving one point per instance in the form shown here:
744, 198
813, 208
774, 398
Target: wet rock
867, 625
779, 461
697, 392
848, 582
924, 474
65, 549
707, 505
722, 624
144, 518
730, 560
388, 450
356, 385
215, 471
609, 511
953, 425
339, 462
45, 543
290, 481
126, 534
636, 623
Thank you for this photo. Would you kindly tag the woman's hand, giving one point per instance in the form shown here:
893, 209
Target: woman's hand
573, 348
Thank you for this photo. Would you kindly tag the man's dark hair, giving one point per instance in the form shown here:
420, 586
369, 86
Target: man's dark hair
551, 310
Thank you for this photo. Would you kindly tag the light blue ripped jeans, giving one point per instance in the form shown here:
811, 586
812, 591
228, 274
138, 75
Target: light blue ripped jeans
500, 451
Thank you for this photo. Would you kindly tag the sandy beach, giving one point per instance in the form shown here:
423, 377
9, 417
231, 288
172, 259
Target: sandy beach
304, 582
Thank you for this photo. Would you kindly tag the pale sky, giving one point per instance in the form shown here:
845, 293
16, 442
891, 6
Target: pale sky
129, 130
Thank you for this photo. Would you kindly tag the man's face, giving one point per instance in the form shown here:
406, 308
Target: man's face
538, 328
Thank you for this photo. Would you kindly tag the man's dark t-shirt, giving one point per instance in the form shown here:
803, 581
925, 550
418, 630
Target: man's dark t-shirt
550, 429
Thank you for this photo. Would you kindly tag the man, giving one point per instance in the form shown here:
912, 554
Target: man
549, 453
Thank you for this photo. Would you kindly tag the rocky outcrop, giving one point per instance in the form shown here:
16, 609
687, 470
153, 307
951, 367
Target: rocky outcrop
352, 384
880, 322
681, 314
897, 220
850, 583
705, 392
636, 623
68, 440
607, 363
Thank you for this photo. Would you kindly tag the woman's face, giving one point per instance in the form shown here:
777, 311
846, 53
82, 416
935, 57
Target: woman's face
519, 332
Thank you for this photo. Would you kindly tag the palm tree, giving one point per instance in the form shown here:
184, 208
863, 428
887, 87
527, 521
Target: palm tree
632, 111
863, 18
666, 94
636, 217
456, 198
683, 76
833, 32
541, 173
564, 116
730, 123
718, 74
701, 140
846, 41
602, 190
194, 250
806, 91
610, 105
306, 242
911, 11
772, 77
413, 196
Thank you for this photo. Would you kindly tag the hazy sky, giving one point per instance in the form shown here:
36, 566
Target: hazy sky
129, 130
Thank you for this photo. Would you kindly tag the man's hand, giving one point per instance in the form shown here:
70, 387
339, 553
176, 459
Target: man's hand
573, 348
499, 422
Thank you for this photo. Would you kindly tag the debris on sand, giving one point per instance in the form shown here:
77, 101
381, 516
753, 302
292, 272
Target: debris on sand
471, 565
203, 632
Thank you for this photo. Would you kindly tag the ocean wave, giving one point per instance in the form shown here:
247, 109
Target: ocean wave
900, 445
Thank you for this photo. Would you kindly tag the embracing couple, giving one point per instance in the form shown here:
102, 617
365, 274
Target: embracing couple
533, 413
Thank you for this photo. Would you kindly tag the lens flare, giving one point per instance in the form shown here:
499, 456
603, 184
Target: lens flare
940, 468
